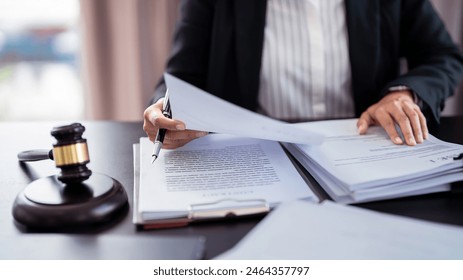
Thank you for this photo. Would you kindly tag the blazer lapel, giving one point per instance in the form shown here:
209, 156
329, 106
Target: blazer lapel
249, 32
363, 25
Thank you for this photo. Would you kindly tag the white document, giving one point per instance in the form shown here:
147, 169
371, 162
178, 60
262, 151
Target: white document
355, 168
214, 169
329, 231
200, 110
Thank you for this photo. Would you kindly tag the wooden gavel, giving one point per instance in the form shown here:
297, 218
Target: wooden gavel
70, 153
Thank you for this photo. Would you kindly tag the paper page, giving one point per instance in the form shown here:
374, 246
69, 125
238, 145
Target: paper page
213, 168
200, 110
333, 231
360, 161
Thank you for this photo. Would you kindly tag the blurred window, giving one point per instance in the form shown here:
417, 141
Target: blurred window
40, 60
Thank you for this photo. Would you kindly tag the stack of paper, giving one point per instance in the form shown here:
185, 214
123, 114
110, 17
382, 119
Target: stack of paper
358, 168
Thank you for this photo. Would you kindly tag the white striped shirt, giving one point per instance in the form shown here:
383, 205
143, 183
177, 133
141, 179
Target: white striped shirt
305, 71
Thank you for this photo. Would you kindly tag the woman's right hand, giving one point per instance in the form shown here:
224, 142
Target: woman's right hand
176, 135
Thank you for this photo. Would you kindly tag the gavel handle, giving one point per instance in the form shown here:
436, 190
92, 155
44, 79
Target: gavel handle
35, 155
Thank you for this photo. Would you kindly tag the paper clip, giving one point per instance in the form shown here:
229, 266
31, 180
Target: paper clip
227, 208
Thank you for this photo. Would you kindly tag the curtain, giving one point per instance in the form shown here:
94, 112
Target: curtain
126, 43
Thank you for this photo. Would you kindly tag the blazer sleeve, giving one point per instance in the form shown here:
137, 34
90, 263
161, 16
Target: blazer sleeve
189, 55
435, 63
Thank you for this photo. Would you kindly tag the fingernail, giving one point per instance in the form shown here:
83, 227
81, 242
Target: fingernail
411, 141
180, 127
201, 134
361, 129
419, 139
398, 140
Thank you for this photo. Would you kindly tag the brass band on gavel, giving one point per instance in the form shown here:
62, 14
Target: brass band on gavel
71, 154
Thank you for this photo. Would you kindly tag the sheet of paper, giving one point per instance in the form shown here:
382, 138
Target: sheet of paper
200, 110
213, 168
302, 230
360, 161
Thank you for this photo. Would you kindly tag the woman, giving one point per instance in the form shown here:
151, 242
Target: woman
315, 59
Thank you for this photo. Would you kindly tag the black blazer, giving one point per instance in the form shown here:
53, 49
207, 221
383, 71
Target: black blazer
218, 47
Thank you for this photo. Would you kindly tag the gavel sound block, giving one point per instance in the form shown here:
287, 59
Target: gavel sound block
73, 198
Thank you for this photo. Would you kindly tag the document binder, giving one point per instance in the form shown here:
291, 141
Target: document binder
222, 209
166, 206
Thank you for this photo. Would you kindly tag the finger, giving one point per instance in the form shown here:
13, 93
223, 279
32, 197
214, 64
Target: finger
184, 138
364, 122
150, 129
386, 121
404, 123
151, 133
415, 123
156, 108
154, 119
160, 121
423, 123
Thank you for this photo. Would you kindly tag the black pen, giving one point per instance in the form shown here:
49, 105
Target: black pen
161, 132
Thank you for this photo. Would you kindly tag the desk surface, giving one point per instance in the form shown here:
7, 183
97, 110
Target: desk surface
110, 148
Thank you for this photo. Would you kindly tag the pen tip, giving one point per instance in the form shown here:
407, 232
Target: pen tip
154, 158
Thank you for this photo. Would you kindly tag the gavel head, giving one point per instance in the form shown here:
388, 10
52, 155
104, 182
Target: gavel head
70, 153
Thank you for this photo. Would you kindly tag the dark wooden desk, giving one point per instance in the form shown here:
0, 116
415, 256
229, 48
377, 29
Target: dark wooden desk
110, 148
